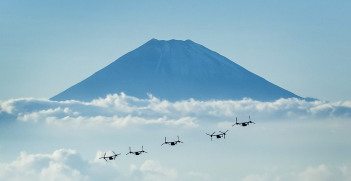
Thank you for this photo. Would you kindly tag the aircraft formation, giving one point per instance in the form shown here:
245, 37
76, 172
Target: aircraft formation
173, 143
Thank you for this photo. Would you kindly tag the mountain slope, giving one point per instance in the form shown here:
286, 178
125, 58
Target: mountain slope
175, 70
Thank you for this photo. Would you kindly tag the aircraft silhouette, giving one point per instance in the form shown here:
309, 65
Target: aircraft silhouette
113, 157
218, 135
223, 133
136, 152
172, 143
243, 123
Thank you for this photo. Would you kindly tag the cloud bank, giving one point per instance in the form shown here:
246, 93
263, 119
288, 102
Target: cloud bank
57, 166
66, 164
122, 110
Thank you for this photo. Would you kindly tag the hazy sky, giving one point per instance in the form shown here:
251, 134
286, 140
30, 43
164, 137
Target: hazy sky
48, 46
302, 46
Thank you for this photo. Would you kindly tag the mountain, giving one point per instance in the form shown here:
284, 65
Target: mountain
175, 70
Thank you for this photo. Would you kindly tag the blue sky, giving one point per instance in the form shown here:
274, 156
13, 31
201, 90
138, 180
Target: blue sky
48, 46
301, 46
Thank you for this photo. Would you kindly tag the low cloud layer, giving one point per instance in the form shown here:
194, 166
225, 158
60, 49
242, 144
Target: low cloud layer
122, 110
152, 170
68, 165
311, 173
61, 165
120, 121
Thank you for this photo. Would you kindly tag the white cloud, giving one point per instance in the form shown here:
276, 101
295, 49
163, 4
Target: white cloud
118, 122
270, 174
254, 177
154, 171
198, 176
60, 171
63, 164
42, 167
122, 110
66, 164
320, 173
35, 116
346, 172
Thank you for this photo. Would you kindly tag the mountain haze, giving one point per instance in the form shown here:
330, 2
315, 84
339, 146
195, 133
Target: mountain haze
175, 70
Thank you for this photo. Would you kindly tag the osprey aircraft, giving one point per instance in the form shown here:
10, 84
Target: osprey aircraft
243, 123
113, 157
136, 152
172, 143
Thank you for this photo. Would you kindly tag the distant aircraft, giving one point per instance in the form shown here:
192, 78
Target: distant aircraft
218, 135
223, 133
244, 123
110, 157
136, 152
172, 143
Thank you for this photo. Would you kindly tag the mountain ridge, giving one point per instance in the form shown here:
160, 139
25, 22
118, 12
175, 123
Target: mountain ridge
175, 70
